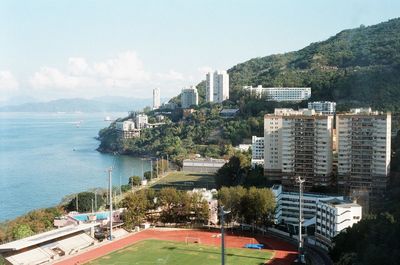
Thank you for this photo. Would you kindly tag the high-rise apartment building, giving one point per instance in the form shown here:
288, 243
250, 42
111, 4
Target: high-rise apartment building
325, 107
156, 98
209, 87
298, 143
189, 97
257, 151
217, 86
363, 146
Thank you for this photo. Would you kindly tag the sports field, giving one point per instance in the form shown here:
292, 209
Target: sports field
172, 253
186, 181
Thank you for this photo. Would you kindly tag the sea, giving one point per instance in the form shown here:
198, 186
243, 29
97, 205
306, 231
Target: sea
46, 156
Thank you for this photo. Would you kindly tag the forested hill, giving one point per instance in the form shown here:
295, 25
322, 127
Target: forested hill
357, 66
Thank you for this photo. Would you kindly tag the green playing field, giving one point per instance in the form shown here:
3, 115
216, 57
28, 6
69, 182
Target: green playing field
175, 253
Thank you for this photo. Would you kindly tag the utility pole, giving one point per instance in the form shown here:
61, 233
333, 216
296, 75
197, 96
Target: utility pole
77, 202
222, 214
162, 165
167, 163
120, 183
142, 171
151, 169
95, 199
157, 168
110, 196
300, 181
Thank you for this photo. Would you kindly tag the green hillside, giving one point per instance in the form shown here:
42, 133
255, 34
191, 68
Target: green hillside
357, 66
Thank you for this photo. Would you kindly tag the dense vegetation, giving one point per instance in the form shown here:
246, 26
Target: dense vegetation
355, 67
251, 206
202, 132
165, 206
31, 223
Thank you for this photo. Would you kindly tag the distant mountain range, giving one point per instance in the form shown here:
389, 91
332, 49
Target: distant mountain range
99, 104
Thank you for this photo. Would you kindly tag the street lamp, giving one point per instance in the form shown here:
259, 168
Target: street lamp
300, 181
222, 214
110, 197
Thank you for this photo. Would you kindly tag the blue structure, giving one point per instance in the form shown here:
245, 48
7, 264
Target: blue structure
254, 246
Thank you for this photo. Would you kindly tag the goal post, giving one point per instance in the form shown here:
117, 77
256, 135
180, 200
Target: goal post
192, 240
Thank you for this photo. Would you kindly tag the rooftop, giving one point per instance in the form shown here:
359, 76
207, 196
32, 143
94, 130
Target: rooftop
44, 237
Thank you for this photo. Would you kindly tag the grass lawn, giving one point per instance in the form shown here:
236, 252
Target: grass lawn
186, 181
175, 253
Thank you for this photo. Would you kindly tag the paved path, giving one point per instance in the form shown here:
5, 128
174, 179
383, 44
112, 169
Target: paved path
284, 253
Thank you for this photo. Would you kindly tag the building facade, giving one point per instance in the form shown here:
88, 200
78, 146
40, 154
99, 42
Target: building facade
156, 98
332, 217
287, 205
207, 165
298, 143
280, 93
363, 146
217, 86
325, 107
189, 97
126, 129
141, 120
209, 87
257, 151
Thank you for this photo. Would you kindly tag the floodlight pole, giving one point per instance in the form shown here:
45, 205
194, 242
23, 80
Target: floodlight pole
300, 181
222, 214
110, 196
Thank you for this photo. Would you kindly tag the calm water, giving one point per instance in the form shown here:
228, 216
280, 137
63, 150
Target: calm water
45, 156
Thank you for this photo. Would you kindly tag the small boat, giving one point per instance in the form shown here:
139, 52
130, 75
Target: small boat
107, 118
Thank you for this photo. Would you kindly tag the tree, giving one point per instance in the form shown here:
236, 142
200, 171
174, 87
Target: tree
257, 206
135, 180
85, 202
136, 205
147, 175
169, 199
21, 231
233, 172
231, 199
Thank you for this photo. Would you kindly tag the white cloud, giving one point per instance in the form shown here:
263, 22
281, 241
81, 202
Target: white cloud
121, 75
8, 82
77, 66
125, 70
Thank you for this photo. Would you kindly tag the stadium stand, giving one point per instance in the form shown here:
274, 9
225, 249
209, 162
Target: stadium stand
49, 246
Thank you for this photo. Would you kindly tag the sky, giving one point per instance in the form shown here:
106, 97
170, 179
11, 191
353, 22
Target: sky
81, 48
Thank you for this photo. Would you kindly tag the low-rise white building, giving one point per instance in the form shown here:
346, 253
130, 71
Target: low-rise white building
126, 129
281, 93
334, 216
325, 107
287, 205
207, 165
257, 151
141, 120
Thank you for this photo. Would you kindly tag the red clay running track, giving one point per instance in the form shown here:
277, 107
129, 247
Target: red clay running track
284, 252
